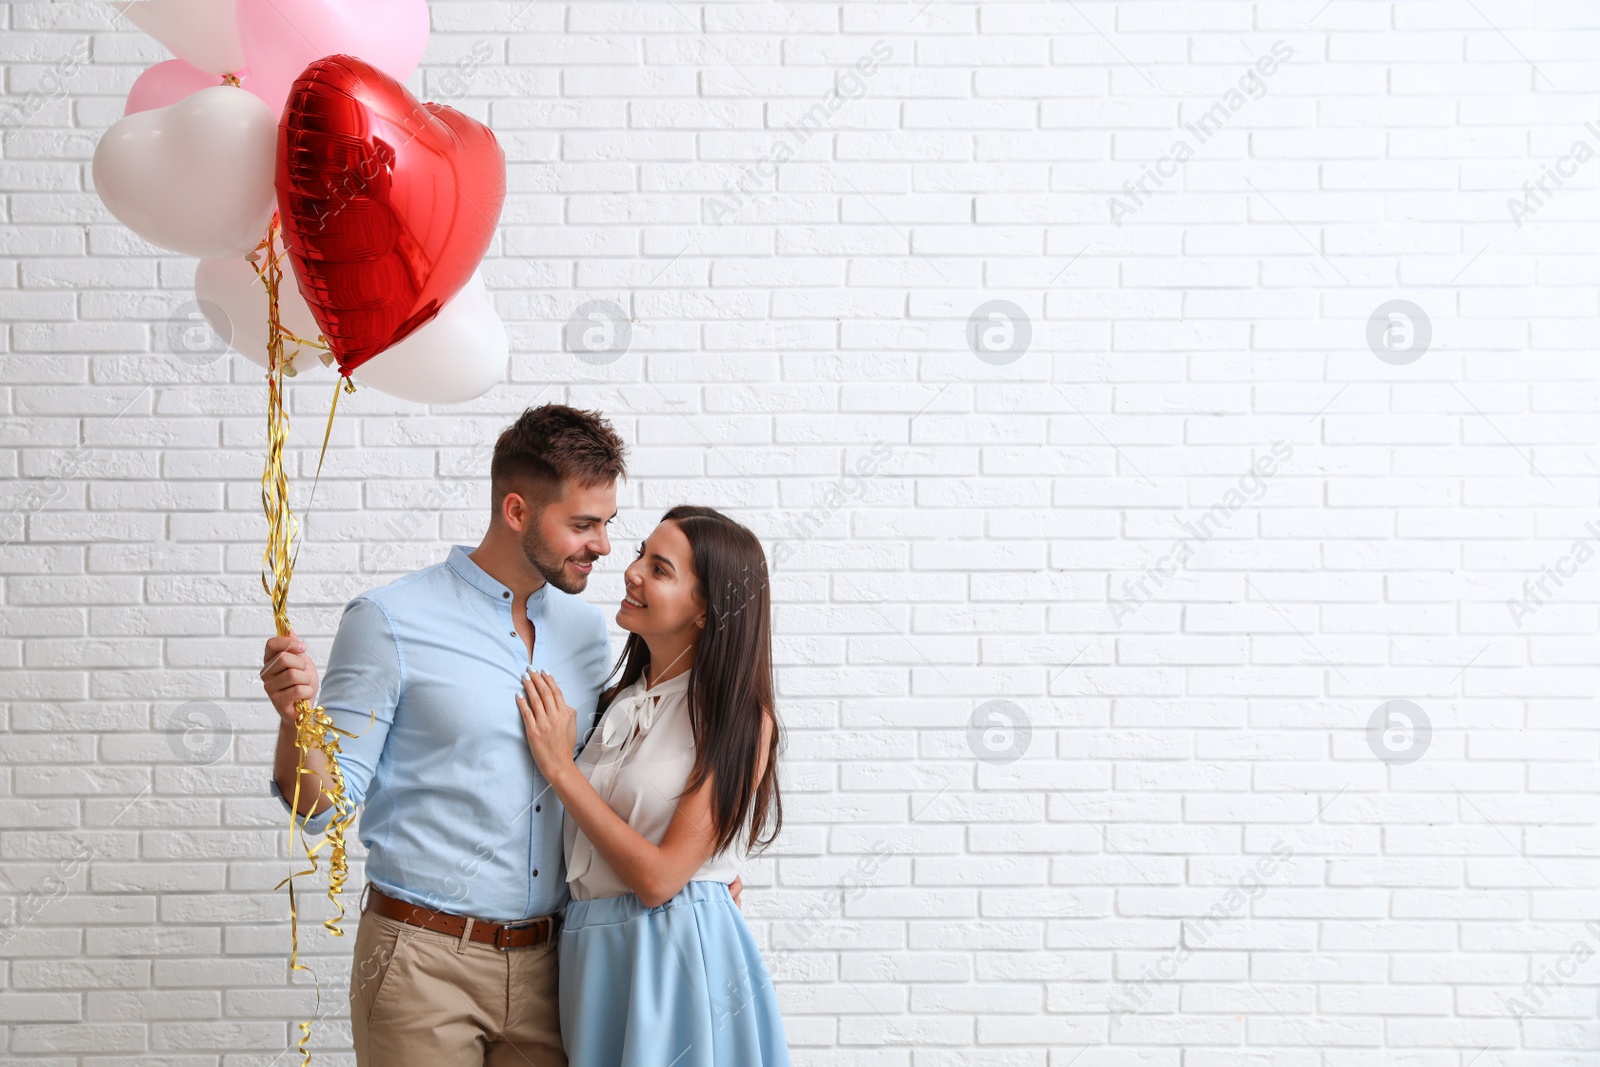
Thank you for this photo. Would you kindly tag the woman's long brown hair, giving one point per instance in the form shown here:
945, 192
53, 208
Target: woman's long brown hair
730, 681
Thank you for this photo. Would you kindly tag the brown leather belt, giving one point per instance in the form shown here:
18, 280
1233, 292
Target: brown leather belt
529, 933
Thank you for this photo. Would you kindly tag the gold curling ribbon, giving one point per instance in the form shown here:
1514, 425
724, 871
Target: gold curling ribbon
313, 728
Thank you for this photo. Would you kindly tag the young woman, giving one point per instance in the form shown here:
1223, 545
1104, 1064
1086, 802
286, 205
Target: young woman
657, 966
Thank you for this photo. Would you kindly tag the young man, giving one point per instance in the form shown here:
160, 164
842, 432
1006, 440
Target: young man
455, 954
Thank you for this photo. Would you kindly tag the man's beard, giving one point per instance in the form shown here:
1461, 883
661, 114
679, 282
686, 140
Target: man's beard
550, 565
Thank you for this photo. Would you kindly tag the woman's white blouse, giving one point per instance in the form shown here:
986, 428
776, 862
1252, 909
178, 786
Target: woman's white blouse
638, 759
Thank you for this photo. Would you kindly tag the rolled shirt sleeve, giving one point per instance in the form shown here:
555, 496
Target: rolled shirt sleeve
360, 690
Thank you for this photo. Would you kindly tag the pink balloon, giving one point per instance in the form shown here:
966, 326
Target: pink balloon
283, 37
166, 83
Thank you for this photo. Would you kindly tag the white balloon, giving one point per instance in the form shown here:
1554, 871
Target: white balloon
205, 33
459, 355
235, 303
195, 177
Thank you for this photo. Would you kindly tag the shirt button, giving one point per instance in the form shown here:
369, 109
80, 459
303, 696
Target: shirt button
506, 594
536, 872
538, 807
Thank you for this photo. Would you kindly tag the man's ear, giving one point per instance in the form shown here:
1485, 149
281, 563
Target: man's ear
514, 510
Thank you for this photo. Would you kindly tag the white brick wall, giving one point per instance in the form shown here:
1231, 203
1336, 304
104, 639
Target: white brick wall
934, 901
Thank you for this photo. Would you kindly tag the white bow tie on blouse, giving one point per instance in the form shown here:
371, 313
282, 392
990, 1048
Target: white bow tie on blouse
639, 709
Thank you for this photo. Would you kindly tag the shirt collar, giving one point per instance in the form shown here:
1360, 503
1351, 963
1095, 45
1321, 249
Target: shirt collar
480, 580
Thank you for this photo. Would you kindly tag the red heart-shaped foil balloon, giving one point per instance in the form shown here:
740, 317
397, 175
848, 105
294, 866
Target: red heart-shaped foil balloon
387, 204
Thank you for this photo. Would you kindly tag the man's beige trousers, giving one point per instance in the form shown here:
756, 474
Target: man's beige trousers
425, 999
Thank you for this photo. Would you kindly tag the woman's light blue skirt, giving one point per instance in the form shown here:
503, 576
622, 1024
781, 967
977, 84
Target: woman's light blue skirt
681, 985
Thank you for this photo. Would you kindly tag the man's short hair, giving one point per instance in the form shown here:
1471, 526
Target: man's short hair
552, 444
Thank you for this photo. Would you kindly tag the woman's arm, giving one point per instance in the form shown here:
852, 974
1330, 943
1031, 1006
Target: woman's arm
654, 872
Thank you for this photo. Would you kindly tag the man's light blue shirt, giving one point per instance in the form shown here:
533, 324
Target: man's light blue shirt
457, 816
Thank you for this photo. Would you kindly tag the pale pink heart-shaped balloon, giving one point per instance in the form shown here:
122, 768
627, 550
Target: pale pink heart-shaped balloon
283, 37
234, 301
204, 32
458, 355
166, 83
195, 177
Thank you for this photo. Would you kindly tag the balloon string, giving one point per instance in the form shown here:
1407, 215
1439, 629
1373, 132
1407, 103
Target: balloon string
314, 728
327, 432
275, 327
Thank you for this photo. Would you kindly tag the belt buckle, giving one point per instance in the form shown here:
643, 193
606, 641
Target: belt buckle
520, 924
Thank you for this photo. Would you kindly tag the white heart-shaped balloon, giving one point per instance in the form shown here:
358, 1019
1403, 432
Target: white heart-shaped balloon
203, 32
459, 355
195, 177
234, 301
